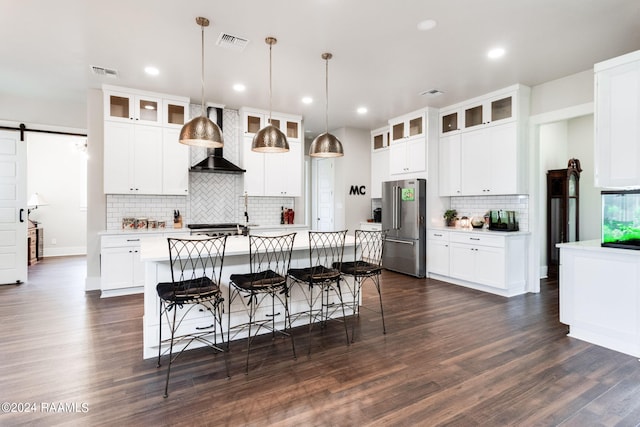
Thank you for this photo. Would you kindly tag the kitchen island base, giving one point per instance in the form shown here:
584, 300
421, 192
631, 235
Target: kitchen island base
600, 295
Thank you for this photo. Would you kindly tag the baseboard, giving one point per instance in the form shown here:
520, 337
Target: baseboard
65, 251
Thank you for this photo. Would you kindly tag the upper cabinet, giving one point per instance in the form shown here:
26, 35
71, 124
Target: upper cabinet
272, 174
617, 122
408, 142
142, 154
498, 107
482, 144
379, 160
130, 107
408, 126
253, 120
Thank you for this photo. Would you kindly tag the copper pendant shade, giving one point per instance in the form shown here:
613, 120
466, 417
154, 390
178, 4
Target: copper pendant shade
325, 144
270, 139
201, 131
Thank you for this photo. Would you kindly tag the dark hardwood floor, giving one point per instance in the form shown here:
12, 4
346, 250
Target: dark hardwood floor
451, 356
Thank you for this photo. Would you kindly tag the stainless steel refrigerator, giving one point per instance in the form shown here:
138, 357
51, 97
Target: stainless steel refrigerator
404, 209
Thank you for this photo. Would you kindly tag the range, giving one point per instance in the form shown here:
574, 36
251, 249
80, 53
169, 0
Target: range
225, 229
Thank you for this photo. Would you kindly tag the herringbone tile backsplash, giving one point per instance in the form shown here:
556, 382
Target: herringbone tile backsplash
213, 197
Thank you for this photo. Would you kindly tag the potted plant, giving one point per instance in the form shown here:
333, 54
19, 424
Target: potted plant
450, 217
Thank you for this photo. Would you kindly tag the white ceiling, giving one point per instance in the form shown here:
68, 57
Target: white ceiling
380, 59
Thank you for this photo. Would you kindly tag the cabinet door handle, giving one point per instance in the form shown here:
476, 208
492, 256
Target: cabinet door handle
474, 238
437, 235
21, 215
133, 240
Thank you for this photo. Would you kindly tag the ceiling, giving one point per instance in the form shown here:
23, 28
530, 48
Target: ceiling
380, 59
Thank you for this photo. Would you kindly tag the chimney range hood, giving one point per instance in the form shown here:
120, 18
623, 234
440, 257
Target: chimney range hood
215, 162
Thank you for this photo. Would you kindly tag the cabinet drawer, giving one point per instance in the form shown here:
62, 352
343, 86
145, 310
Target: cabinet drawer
120, 241
477, 239
438, 235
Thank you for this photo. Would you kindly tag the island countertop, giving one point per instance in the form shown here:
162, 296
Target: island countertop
157, 249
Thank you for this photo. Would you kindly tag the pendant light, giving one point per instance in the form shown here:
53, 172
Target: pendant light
201, 131
326, 145
270, 139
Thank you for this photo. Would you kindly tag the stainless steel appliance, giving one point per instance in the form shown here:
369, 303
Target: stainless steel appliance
404, 209
225, 229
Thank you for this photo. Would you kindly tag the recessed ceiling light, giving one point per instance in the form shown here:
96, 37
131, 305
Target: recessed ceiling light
152, 71
362, 110
426, 25
307, 100
239, 87
495, 53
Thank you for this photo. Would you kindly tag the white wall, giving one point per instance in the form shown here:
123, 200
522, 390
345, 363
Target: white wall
354, 168
56, 170
96, 209
581, 140
576, 89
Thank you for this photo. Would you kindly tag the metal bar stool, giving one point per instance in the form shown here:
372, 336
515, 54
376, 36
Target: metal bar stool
270, 258
196, 267
326, 249
367, 264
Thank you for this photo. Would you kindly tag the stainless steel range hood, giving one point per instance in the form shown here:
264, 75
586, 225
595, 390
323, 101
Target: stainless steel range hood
215, 162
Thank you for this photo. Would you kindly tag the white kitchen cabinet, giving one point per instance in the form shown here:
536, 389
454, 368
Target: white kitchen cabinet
408, 156
283, 172
617, 122
490, 161
408, 126
142, 154
370, 226
450, 121
175, 164
175, 113
438, 252
491, 110
449, 172
489, 261
253, 120
379, 172
379, 160
272, 174
132, 158
128, 107
120, 267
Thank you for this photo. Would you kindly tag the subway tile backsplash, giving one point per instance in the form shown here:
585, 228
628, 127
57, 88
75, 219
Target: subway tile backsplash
471, 206
213, 197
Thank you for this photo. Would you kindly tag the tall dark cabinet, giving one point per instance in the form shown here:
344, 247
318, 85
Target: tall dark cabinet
562, 210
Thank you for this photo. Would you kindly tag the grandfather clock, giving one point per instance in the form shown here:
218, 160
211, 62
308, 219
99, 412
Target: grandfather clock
562, 210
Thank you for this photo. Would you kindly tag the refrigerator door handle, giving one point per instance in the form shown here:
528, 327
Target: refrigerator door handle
397, 207
405, 242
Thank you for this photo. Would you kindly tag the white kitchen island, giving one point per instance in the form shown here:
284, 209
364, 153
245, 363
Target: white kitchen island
155, 254
600, 295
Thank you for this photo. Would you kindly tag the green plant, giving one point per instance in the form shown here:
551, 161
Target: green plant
450, 215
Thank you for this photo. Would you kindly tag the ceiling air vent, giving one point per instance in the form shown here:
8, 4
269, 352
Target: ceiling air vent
105, 72
432, 92
229, 41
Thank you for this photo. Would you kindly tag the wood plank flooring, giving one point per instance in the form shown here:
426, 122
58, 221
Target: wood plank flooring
451, 356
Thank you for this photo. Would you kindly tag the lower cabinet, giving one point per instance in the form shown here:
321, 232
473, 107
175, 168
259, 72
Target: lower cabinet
491, 262
438, 252
121, 270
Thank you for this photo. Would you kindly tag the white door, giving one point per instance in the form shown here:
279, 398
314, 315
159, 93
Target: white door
13, 208
324, 211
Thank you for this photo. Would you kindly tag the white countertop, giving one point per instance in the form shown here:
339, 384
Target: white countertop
156, 248
151, 231
595, 246
479, 230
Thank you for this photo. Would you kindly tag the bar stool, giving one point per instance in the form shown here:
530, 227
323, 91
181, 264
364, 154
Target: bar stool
326, 249
196, 267
270, 258
367, 264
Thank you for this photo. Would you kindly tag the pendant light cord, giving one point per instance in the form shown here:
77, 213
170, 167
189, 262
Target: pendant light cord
270, 82
202, 72
326, 93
